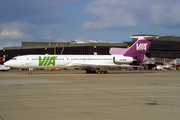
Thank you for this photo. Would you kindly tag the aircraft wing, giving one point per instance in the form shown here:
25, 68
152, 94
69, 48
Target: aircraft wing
87, 65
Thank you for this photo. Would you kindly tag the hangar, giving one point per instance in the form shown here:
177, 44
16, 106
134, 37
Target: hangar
165, 47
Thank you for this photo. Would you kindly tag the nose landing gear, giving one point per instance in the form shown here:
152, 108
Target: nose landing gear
30, 71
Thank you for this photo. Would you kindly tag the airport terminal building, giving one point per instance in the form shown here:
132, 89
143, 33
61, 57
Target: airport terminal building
165, 47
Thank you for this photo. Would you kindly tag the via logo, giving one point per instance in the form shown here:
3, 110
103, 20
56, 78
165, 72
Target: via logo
141, 46
47, 61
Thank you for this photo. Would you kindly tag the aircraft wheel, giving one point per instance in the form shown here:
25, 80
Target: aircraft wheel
30, 72
105, 72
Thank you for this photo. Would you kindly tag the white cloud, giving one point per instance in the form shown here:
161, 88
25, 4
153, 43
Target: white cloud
11, 34
17, 30
112, 14
123, 13
31, 20
11, 31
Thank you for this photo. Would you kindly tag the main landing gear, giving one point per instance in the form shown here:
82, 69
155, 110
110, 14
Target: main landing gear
99, 71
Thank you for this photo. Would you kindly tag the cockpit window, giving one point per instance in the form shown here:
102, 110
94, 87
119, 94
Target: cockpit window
13, 58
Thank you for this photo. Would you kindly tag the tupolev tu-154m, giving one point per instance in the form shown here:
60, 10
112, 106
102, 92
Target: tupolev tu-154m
120, 57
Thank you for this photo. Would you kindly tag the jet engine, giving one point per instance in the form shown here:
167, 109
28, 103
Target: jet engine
122, 60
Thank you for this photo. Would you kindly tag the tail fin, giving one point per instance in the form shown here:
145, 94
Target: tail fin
140, 47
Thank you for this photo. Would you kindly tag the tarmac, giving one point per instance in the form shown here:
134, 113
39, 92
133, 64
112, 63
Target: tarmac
75, 95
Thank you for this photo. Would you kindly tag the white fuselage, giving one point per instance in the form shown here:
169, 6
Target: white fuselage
64, 61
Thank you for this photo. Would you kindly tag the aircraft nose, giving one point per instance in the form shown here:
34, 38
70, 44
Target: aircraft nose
7, 64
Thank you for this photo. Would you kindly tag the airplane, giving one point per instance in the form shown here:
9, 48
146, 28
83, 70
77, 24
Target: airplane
120, 57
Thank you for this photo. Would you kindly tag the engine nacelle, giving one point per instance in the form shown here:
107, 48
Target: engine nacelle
122, 60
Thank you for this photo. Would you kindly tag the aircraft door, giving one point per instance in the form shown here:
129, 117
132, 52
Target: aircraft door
68, 60
26, 61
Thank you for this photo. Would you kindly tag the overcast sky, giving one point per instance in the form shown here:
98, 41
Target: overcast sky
66, 20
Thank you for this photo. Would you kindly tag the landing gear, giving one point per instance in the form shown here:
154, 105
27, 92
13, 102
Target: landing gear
30, 71
90, 71
99, 71
102, 72
105, 72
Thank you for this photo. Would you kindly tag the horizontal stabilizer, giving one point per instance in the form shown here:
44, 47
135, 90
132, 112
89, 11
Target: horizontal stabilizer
146, 37
150, 37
